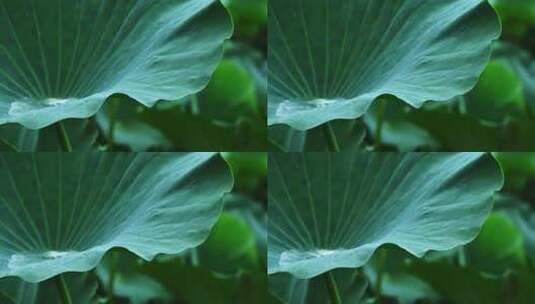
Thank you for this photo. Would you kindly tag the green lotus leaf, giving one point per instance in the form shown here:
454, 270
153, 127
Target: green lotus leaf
128, 282
498, 247
477, 136
524, 65
64, 59
197, 285
390, 263
498, 95
522, 11
466, 285
518, 169
230, 94
248, 15
249, 169
231, 247
251, 11
163, 126
460, 285
331, 59
395, 128
330, 211
523, 217
119, 120
252, 212
61, 212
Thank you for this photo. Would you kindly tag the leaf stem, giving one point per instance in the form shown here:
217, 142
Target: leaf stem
333, 289
113, 121
9, 145
462, 257
194, 257
330, 137
379, 123
63, 137
277, 146
378, 290
195, 105
63, 289
112, 275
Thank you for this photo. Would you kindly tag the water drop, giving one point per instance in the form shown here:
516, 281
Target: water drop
20, 107
293, 106
55, 101
297, 256
55, 254
22, 260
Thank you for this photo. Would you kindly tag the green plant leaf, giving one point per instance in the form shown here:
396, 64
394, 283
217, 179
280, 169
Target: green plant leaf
475, 135
230, 248
253, 213
396, 129
523, 63
498, 247
121, 123
516, 10
248, 168
518, 168
230, 94
248, 15
194, 285
61, 212
330, 211
251, 10
331, 59
64, 59
165, 126
396, 282
465, 285
459, 285
499, 94
128, 282
523, 216
254, 61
